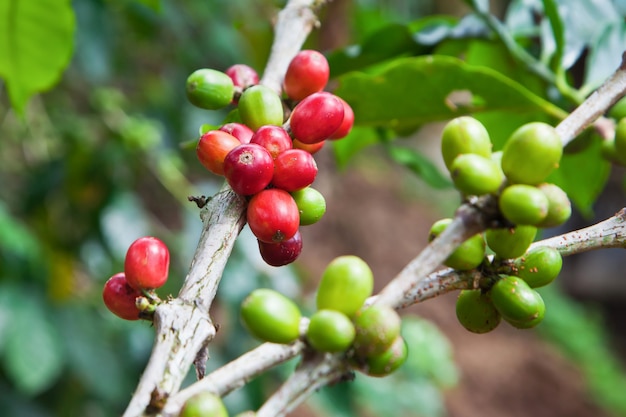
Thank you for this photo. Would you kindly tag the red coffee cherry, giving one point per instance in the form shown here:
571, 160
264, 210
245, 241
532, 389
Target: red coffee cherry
281, 253
294, 169
213, 147
306, 74
273, 216
248, 168
242, 75
273, 138
316, 117
147, 263
119, 297
346, 124
311, 148
238, 130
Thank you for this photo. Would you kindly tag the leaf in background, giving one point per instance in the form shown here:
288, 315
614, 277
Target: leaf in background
557, 33
36, 44
583, 176
33, 358
605, 55
358, 139
15, 238
419, 164
414, 91
153, 4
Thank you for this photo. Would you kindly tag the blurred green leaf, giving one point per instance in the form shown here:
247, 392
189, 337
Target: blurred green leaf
15, 238
419, 164
414, 91
33, 357
583, 176
153, 4
358, 139
26, 67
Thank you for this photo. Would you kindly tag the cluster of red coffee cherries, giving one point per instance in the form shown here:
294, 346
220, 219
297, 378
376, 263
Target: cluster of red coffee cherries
268, 156
130, 293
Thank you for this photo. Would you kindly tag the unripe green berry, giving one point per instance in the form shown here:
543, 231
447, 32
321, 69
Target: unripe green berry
330, 331
519, 305
476, 312
523, 204
532, 152
204, 404
346, 283
511, 242
464, 135
539, 267
259, 106
210, 89
376, 329
559, 205
388, 361
270, 316
311, 205
475, 174
468, 255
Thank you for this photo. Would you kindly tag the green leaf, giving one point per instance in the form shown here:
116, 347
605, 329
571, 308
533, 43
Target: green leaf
36, 44
583, 176
414, 91
153, 4
33, 357
419, 164
358, 139
558, 33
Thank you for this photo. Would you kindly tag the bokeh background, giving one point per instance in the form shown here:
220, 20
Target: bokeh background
107, 155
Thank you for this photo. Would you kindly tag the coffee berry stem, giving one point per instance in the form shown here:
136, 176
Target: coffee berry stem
293, 25
595, 105
314, 373
236, 373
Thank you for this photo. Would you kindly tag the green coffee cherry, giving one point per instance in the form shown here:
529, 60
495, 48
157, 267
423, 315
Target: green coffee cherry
346, 283
620, 141
389, 361
376, 329
476, 175
330, 331
519, 305
523, 204
468, 255
559, 205
532, 152
204, 404
511, 242
270, 316
464, 135
476, 312
539, 267
259, 106
210, 89
311, 205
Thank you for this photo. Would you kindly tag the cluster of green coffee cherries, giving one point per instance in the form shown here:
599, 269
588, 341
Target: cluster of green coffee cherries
516, 177
368, 335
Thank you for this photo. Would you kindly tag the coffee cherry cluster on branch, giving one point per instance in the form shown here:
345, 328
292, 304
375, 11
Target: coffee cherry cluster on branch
266, 156
516, 177
369, 336
130, 293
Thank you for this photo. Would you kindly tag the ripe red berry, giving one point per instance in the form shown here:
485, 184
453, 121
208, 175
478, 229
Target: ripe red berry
316, 117
294, 169
242, 75
147, 263
238, 130
307, 73
248, 168
273, 215
213, 147
119, 297
273, 138
346, 124
311, 148
281, 253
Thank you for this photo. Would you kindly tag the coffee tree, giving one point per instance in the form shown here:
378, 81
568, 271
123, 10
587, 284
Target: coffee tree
514, 178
